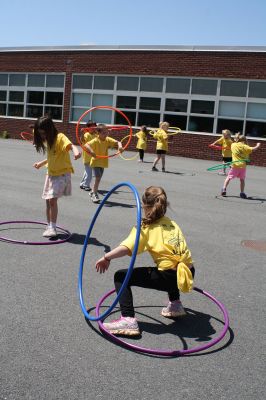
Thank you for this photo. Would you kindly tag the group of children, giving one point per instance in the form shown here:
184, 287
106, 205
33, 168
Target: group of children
235, 154
160, 236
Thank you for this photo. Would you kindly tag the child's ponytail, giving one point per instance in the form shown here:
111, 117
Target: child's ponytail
154, 202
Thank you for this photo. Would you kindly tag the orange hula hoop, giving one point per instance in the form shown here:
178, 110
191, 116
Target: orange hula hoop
27, 136
109, 108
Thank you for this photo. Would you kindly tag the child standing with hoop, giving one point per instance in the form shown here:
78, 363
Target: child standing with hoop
142, 142
59, 167
98, 148
162, 145
174, 271
240, 152
88, 135
225, 141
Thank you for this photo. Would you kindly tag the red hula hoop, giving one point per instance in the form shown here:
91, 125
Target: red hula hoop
27, 136
109, 108
215, 147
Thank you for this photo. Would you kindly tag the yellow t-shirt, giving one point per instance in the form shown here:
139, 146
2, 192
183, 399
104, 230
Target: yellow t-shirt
100, 147
164, 241
226, 146
142, 140
88, 136
58, 158
240, 151
161, 136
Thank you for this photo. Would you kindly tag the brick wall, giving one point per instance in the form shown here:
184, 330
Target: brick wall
239, 65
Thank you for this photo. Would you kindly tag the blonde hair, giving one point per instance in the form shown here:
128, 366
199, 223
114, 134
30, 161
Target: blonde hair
154, 201
240, 138
226, 132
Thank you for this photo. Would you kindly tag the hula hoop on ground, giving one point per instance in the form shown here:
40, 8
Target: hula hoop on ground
127, 158
133, 257
109, 108
27, 136
168, 353
5, 239
221, 166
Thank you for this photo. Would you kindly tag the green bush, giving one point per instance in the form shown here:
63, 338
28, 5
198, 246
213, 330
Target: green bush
4, 135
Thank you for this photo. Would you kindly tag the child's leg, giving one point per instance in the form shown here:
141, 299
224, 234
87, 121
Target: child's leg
96, 184
163, 162
141, 154
157, 159
146, 277
53, 210
242, 185
87, 176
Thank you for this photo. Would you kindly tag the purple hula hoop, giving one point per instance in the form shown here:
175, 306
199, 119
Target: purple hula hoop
4, 239
168, 353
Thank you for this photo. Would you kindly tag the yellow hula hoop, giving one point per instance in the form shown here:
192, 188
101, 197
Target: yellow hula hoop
129, 158
175, 129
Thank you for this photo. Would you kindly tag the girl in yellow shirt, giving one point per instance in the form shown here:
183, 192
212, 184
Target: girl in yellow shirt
142, 142
59, 168
162, 145
225, 141
173, 269
89, 133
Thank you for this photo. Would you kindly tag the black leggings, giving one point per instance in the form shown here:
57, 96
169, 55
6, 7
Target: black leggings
146, 277
141, 154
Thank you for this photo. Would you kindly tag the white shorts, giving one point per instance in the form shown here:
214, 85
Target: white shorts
56, 186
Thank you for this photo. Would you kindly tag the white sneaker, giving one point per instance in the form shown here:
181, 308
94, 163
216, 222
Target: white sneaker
49, 232
173, 309
95, 198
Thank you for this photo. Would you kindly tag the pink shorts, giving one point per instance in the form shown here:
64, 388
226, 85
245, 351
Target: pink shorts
237, 173
56, 186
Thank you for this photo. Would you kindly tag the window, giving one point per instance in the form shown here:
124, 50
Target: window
36, 80
126, 102
231, 109
149, 119
202, 107
33, 111
200, 124
177, 85
204, 86
151, 85
231, 124
256, 129
35, 97
53, 112
82, 82
3, 79
16, 96
127, 83
17, 79
178, 121
150, 103
2, 109
15, 110
3, 95
102, 116
102, 100
54, 98
56, 81
176, 105
233, 88
256, 111
104, 82
120, 120
81, 99
257, 89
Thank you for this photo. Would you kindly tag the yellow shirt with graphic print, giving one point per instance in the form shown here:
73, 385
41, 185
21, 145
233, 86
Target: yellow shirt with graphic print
161, 137
58, 158
100, 148
240, 151
226, 146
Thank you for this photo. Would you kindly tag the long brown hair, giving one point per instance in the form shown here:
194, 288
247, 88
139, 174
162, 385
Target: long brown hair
154, 201
46, 124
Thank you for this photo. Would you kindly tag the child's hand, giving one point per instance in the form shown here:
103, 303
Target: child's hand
102, 265
77, 155
37, 165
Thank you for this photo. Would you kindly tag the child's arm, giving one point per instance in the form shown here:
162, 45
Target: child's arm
75, 150
90, 149
256, 147
103, 263
216, 142
40, 164
120, 146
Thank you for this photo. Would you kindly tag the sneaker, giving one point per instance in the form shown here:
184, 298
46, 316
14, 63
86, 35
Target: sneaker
86, 188
163, 169
49, 232
243, 195
173, 309
95, 197
154, 169
223, 192
123, 326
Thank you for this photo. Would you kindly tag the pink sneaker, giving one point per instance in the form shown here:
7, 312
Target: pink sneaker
123, 326
173, 309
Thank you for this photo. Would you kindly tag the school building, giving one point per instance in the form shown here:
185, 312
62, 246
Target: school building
200, 89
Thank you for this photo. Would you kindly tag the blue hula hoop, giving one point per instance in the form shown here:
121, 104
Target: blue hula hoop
133, 257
